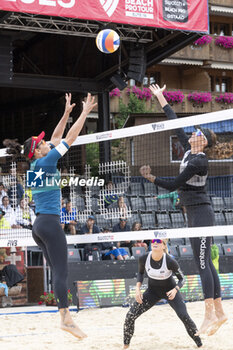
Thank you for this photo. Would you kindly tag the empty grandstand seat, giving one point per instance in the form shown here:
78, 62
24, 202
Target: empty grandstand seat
79, 203
165, 204
150, 189
137, 204
173, 251
101, 222
132, 219
136, 189
94, 190
73, 255
219, 219
228, 248
176, 241
94, 204
185, 250
177, 219
151, 204
229, 218
228, 203
218, 203
162, 190
229, 239
138, 251
220, 249
148, 220
163, 220
219, 239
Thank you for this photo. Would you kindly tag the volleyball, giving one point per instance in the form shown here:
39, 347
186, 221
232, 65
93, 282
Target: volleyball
107, 41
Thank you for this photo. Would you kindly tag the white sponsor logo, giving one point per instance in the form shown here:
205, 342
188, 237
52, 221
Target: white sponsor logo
52, 3
202, 253
109, 6
139, 8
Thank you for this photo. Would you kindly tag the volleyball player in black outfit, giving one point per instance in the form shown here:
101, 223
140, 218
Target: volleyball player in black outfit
191, 183
161, 285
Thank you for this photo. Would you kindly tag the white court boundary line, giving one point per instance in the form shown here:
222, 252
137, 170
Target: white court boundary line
149, 128
184, 232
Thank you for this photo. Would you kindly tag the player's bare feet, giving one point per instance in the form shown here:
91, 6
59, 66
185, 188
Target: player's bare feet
217, 325
207, 324
125, 346
68, 325
74, 330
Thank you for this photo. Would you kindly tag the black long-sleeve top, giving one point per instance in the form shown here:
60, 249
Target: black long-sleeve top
191, 182
167, 283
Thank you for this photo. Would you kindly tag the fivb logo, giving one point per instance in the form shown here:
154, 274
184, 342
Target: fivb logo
109, 6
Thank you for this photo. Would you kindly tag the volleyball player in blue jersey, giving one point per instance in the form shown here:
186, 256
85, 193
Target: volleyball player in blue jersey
191, 186
47, 231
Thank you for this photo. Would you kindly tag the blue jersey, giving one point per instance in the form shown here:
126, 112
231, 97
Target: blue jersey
47, 196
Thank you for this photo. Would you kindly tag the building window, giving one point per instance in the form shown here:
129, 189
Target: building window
221, 29
152, 78
221, 84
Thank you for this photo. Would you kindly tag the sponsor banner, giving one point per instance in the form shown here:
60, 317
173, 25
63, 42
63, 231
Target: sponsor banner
147, 128
225, 230
171, 14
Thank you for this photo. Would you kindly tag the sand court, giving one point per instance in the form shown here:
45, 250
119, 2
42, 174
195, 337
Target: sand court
159, 328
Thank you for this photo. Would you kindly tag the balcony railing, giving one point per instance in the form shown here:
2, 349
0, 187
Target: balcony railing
184, 107
208, 52
221, 2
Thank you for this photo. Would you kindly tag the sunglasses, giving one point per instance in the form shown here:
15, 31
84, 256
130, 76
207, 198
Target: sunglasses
200, 133
42, 142
159, 241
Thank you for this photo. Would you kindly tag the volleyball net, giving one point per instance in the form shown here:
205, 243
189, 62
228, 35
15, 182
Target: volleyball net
100, 177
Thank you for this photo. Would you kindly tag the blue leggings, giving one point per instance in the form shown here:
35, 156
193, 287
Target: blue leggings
203, 215
50, 237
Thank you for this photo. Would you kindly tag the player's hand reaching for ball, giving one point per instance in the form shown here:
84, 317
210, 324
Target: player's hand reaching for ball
145, 170
156, 89
89, 103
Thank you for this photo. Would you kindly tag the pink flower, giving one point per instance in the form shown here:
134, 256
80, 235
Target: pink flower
204, 40
40, 302
115, 92
227, 97
224, 41
200, 97
174, 96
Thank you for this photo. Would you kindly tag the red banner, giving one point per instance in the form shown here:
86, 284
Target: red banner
189, 15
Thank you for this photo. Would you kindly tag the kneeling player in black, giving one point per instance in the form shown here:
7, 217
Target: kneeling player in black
161, 285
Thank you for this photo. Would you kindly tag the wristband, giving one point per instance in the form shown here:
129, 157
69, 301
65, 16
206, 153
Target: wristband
177, 288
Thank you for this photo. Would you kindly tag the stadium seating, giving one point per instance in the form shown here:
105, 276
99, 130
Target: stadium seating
136, 189
229, 218
218, 203
228, 248
185, 251
138, 251
101, 222
163, 220
165, 204
79, 203
177, 219
137, 204
173, 251
73, 255
176, 241
150, 189
151, 204
219, 239
219, 218
148, 221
